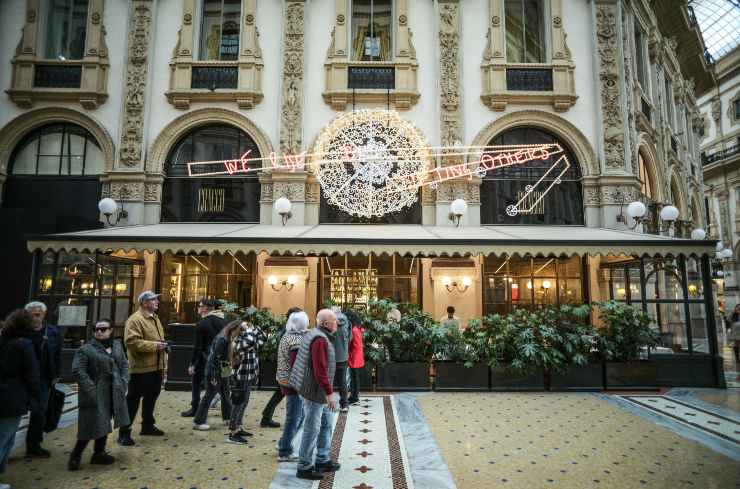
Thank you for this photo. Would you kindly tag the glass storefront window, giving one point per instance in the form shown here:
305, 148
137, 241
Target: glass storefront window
186, 279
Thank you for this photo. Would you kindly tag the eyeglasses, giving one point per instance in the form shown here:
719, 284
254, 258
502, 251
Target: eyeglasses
102, 329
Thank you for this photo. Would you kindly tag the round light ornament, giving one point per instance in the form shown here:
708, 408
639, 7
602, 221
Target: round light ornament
669, 213
107, 206
458, 207
370, 163
726, 253
283, 205
698, 234
636, 210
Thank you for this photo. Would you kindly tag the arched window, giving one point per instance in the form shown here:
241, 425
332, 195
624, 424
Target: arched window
227, 198
58, 149
502, 187
646, 181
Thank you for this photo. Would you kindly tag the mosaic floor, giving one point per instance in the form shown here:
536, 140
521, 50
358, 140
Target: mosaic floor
435, 441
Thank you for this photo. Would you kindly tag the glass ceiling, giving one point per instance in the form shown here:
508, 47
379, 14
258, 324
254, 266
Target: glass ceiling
719, 21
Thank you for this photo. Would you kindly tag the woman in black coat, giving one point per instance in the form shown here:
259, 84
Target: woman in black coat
19, 378
101, 369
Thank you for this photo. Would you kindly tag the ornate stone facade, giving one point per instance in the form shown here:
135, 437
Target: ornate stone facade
137, 73
449, 62
609, 80
291, 113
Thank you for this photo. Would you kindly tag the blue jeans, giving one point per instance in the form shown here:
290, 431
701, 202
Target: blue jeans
317, 430
8, 427
293, 420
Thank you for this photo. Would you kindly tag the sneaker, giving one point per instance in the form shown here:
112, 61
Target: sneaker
309, 474
241, 432
190, 413
327, 467
151, 431
288, 458
74, 462
201, 427
102, 458
236, 439
125, 440
343, 409
268, 423
36, 451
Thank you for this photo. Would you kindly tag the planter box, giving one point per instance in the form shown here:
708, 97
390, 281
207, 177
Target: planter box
503, 379
687, 370
268, 369
366, 378
632, 375
404, 377
589, 377
453, 376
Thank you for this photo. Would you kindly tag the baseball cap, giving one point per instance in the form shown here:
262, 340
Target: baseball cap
147, 295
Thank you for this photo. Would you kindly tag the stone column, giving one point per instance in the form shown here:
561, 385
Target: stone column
128, 183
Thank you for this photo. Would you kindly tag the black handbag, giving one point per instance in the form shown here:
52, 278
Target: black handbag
54, 409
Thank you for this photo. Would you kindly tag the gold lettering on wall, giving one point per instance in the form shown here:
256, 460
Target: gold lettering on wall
211, 199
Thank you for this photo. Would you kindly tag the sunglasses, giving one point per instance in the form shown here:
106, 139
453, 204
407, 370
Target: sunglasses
102, 329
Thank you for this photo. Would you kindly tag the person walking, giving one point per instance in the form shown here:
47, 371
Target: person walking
211, 323
147, 355
277, 396
311, 377
245, 361
101, 370
48, 347
20, 380
217, 372
340, 342
295, 328
356, 360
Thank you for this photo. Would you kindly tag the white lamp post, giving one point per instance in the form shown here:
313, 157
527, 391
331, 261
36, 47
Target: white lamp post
283, 207
458, 208
108, 207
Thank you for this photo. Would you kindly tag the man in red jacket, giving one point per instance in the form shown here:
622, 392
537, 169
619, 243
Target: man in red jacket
311, 377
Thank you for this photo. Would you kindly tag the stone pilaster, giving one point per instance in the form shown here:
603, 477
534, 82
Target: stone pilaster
291, 113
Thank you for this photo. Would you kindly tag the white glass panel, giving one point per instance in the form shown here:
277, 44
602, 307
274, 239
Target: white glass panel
24, 162
210, 32
49, 165
94, 160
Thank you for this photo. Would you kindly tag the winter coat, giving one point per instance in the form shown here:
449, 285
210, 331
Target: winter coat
356, 348
218, 356
47, 344
288, 343
340, 340
19, 376
205, 331
141, 336
246, 356
103, 380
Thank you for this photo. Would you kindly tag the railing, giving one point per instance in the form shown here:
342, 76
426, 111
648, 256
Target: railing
720, 155
529, 79
57, 76
646, 109
368, 77
214, 77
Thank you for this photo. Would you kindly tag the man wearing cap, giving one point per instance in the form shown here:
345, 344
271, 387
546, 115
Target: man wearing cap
147, 357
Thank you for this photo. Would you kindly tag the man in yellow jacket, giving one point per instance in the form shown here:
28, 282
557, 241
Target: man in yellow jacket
147, 358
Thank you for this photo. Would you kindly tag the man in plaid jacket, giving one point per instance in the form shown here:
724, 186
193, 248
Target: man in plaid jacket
246, 365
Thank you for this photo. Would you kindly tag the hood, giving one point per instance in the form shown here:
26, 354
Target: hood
342, 321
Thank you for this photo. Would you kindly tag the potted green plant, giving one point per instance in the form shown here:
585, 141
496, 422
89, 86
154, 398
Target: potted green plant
402, 348
627, 334
457, 362
581, 368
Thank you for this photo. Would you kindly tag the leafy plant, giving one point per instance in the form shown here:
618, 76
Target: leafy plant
628, 329
454, 346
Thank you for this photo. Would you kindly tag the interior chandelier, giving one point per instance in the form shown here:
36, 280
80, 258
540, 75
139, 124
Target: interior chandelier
360, 155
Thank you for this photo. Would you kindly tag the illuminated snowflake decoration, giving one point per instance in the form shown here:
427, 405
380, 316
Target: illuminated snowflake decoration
360, 155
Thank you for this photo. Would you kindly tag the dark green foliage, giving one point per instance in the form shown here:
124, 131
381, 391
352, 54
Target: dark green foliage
627, 331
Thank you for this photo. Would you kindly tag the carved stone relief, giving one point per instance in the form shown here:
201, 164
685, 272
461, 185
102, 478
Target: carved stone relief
449, 42
294, 191
134, 92
292, 109
611, 105
152, 192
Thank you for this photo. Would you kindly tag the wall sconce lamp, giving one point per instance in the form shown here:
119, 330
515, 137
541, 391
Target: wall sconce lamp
109, 207
287, 284
283, 207
461, 286
458, 208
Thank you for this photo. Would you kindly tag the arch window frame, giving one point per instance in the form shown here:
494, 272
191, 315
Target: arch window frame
35, 137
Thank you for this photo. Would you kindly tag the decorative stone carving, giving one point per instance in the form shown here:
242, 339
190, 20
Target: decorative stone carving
611, 104
130, 153
592, 196
468, 190
126, 191
266, 191
313, 193
618, 195
449, 62
152, 192
295, 191
291, 113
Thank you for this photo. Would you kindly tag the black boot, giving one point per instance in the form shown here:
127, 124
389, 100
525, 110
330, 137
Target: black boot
124, 438
327, 467
102, 458
74, 461
35, 451
268, 423
151, 430
309, 474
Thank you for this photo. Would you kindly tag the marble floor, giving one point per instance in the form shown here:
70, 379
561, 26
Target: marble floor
434, 441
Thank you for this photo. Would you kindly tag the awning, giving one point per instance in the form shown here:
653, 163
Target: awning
328, 239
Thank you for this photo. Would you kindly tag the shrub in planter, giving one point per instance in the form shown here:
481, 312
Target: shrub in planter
457, 365
581, 369
627, 332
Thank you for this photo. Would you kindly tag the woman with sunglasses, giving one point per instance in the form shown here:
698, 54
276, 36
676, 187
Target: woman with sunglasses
101, 369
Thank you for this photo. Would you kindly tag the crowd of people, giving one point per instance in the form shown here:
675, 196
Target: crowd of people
317, 373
